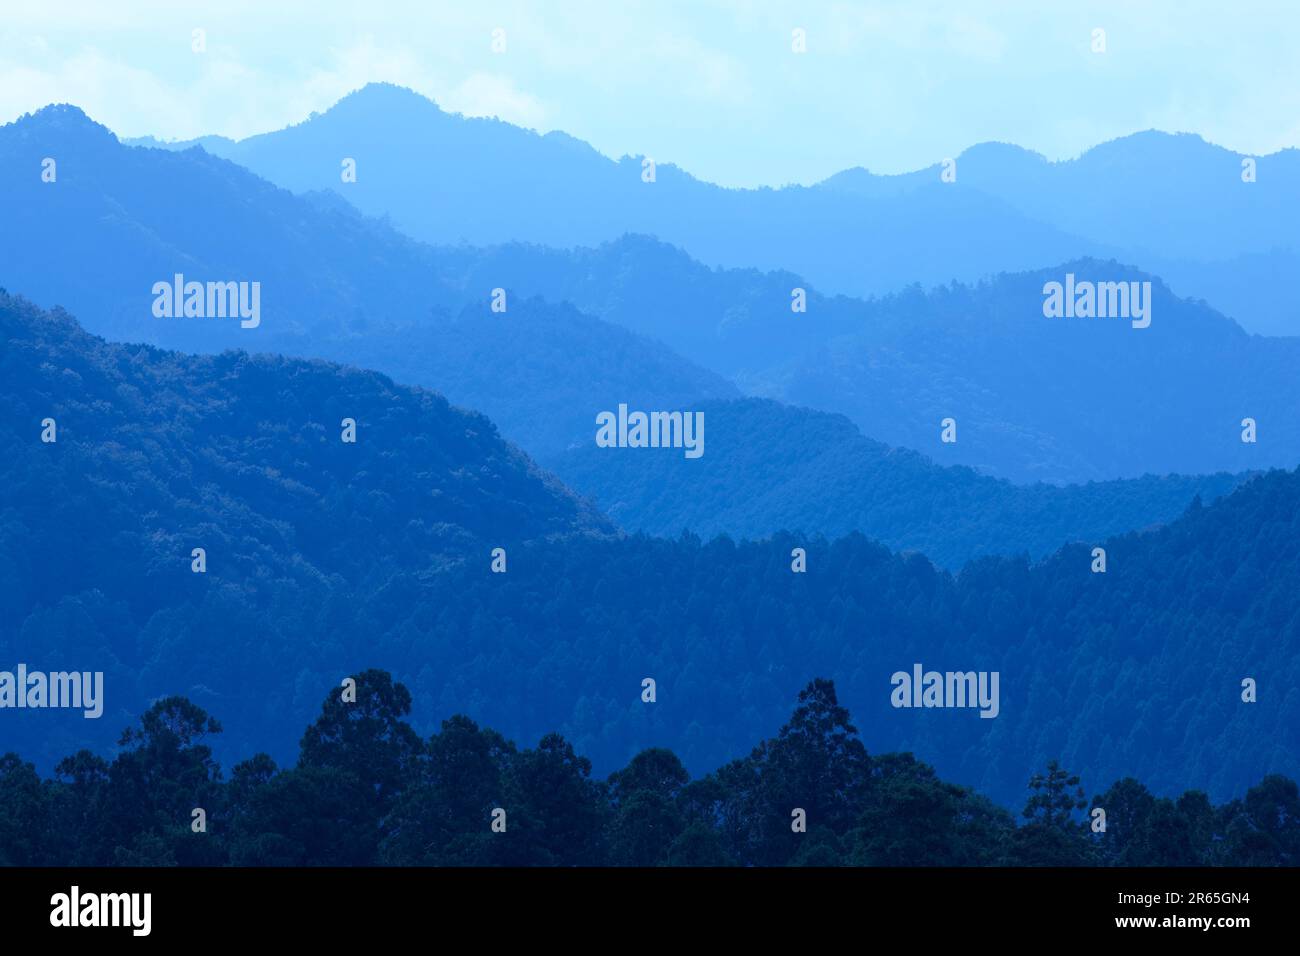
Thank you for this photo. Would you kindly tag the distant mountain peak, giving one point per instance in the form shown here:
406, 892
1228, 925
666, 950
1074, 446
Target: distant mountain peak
58, 111
847, 177
391, 91
996, 150
63, 118
1155, 146
384, 96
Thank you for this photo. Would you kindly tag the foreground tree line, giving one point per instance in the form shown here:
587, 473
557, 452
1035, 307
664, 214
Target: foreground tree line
366, 790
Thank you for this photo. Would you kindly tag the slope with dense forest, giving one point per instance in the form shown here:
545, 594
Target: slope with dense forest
1137, 669
325, 557
157, 453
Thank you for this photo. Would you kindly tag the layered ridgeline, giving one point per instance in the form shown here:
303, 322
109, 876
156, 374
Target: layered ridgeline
314, 279
1062, 398
119, 461
1174, 204
324, 557
1056, 399
771, 467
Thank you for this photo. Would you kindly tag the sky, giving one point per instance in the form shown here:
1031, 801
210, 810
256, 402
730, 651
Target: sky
711, 85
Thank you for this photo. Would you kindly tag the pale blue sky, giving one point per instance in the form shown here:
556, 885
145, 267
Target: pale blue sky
712, 86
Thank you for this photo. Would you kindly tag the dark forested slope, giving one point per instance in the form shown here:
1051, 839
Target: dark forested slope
158, 453
325, 557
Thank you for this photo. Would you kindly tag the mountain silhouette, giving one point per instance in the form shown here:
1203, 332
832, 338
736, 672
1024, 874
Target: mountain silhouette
1058, 400
1170, 203
334, 284
446, 179
1064, 400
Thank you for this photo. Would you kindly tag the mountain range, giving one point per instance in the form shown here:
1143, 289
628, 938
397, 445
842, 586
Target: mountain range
482, 293
1034, 399
1058, 400
1172, 204
323, 556
334, 284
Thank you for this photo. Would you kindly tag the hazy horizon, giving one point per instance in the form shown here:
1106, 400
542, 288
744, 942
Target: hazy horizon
716, 89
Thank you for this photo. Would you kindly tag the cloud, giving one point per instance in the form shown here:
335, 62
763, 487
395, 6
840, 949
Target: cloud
493, 94
712, 86
699, 71
110, 92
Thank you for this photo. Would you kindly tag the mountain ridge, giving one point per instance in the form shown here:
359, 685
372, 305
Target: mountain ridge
783, 469
1171, 202
325, 557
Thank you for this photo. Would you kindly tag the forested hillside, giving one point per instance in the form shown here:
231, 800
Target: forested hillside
325, 557
157, 453
1137, 669
333, 284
